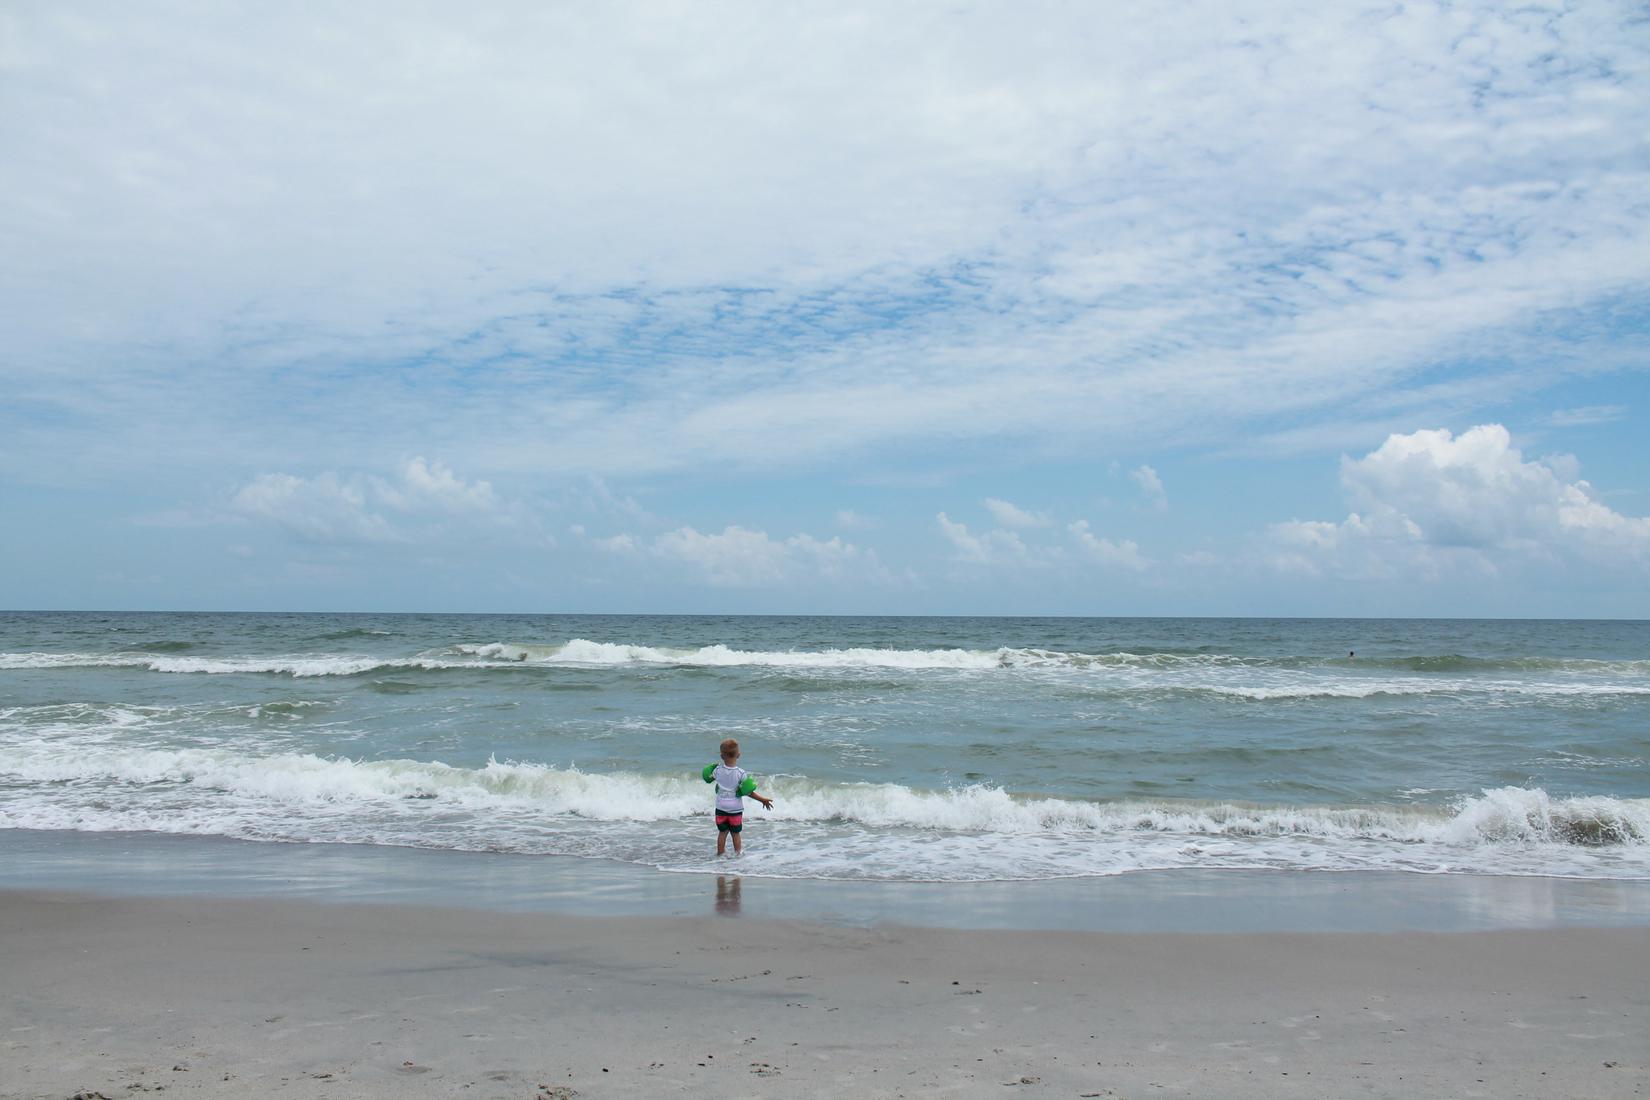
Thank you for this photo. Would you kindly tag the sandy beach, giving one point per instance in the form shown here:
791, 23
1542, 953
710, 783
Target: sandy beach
221, 997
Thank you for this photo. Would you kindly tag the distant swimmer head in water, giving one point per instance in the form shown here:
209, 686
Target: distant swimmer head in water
1351, 653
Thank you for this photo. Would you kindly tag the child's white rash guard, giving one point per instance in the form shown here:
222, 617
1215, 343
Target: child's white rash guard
727, 779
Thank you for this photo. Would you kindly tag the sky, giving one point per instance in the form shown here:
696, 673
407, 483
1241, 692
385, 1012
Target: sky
933, 308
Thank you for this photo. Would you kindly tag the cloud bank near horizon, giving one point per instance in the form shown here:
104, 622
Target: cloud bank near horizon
1430, 505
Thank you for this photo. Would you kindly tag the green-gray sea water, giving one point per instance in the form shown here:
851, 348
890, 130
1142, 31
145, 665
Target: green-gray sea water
959, 749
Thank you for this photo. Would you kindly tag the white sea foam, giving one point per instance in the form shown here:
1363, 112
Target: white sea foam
1369, 689
892, 831
579, 651
297, 666
1218, 675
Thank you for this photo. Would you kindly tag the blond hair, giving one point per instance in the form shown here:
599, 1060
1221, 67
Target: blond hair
730, 749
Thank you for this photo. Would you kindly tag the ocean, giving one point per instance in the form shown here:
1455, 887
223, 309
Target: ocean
897, 749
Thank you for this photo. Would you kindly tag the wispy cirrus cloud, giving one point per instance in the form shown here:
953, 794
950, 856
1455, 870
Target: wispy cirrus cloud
1587, 416
1314, 206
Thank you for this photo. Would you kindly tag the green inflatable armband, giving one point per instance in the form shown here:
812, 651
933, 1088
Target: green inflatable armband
746, 786
709, 774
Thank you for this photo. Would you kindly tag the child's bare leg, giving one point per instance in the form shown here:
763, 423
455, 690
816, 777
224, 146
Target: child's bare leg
738, 845
722, 842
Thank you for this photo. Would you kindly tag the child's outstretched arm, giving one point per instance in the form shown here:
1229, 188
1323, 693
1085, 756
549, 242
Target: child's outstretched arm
767, 803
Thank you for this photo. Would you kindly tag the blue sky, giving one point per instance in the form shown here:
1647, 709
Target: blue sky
1019, 308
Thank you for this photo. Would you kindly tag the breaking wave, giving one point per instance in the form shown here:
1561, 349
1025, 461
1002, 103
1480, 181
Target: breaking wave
296, 666
975, 832
1243, 678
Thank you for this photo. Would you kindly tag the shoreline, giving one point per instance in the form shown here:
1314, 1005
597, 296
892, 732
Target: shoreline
216, 997
1185, 901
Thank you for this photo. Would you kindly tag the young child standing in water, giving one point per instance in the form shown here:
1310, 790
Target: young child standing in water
732, 784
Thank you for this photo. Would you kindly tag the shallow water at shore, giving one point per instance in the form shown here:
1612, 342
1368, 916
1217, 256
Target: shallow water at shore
1171, 901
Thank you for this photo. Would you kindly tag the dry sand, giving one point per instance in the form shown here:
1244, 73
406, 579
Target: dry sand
247, 998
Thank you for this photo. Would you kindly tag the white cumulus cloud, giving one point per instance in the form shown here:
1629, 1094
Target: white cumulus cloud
323, 508
1430, 497
618, 544
1124, 553
738, 557
1010, 515
1151, 486
427, 485
330, 507
996, 547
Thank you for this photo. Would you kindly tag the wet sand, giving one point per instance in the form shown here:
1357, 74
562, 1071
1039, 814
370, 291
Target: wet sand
1186, 900
216, 997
